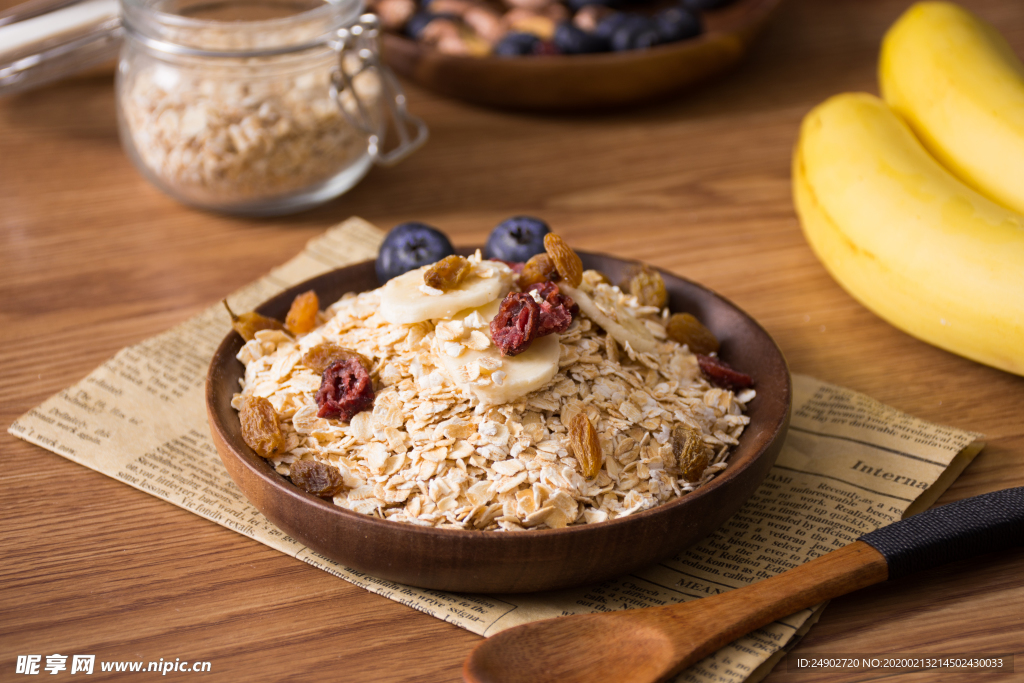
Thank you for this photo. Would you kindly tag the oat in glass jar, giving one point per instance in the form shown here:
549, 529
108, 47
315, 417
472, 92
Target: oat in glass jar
256, 107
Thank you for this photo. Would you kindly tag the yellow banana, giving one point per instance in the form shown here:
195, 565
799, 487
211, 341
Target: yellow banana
906, 238
956, 81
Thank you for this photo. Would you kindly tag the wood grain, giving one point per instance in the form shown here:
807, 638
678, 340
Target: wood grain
93, 259
652, 644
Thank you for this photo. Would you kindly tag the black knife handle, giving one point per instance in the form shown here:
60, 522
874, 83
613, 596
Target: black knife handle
969, 527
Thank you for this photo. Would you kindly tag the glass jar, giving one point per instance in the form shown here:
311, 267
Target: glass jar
253, 107
256, 108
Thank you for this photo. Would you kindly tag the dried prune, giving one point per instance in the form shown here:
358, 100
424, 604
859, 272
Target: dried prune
515, 325
690, 452
302, 314
345, 390
447, 273
685, 329
569, 265
585, 445
320, 357
248, 324
539, 268
556, 310
260, 429
313, 476
720, 374
647, 285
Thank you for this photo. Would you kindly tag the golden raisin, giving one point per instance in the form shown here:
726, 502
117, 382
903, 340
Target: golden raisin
321, 356
685, 329
647, 285
248, 324
447, 273
586, 447
569, 265
302, 314
540, 268
318, 478
259, 426
690, 452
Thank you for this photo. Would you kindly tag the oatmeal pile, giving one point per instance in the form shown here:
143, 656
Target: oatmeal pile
215, 136
434, 451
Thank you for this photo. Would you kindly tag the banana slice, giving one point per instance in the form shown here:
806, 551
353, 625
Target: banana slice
405, 300
615, 318
481, 369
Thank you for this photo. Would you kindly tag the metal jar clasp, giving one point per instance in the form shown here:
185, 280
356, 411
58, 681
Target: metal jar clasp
361, 83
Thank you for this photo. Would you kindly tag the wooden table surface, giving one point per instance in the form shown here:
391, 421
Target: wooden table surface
92, 259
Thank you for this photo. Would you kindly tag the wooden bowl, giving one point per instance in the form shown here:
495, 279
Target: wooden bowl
575, 82
501, 562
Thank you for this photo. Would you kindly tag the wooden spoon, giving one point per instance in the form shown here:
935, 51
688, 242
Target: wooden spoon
653, 644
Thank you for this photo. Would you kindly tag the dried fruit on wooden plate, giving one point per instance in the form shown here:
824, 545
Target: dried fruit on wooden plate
515, 324
686, 329
447, 273
721, 374
248, 324
690, 452
556, 310
568, 263
345, 390
318, 478
320, 357
260, 429
647, 285
585, 445
302, 314
540, 268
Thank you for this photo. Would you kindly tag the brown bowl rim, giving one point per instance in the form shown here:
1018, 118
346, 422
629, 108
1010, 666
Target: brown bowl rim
261, 467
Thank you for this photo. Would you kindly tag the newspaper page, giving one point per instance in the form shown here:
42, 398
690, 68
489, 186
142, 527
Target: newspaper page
849, 465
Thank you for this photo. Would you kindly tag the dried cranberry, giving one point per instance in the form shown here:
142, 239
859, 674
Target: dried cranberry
521, 319
345, 389
556, 310
515, 325
720, 374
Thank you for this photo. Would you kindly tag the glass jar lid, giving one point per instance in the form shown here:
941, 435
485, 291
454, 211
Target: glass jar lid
237, 28
46, 40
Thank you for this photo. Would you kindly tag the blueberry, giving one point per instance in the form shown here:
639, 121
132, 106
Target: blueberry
702, 5
409, 246
611, 23
417, 22
577, 5
572, 40
517, 239
677, 23
515, 43
627, 31
635, 33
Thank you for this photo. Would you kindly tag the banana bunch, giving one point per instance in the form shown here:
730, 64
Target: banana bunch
938, 255
959, 86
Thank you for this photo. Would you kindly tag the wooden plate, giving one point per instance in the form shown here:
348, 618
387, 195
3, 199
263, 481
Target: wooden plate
575, 82
499, 562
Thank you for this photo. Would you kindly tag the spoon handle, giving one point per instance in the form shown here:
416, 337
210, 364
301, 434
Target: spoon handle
653, 644
973, 526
